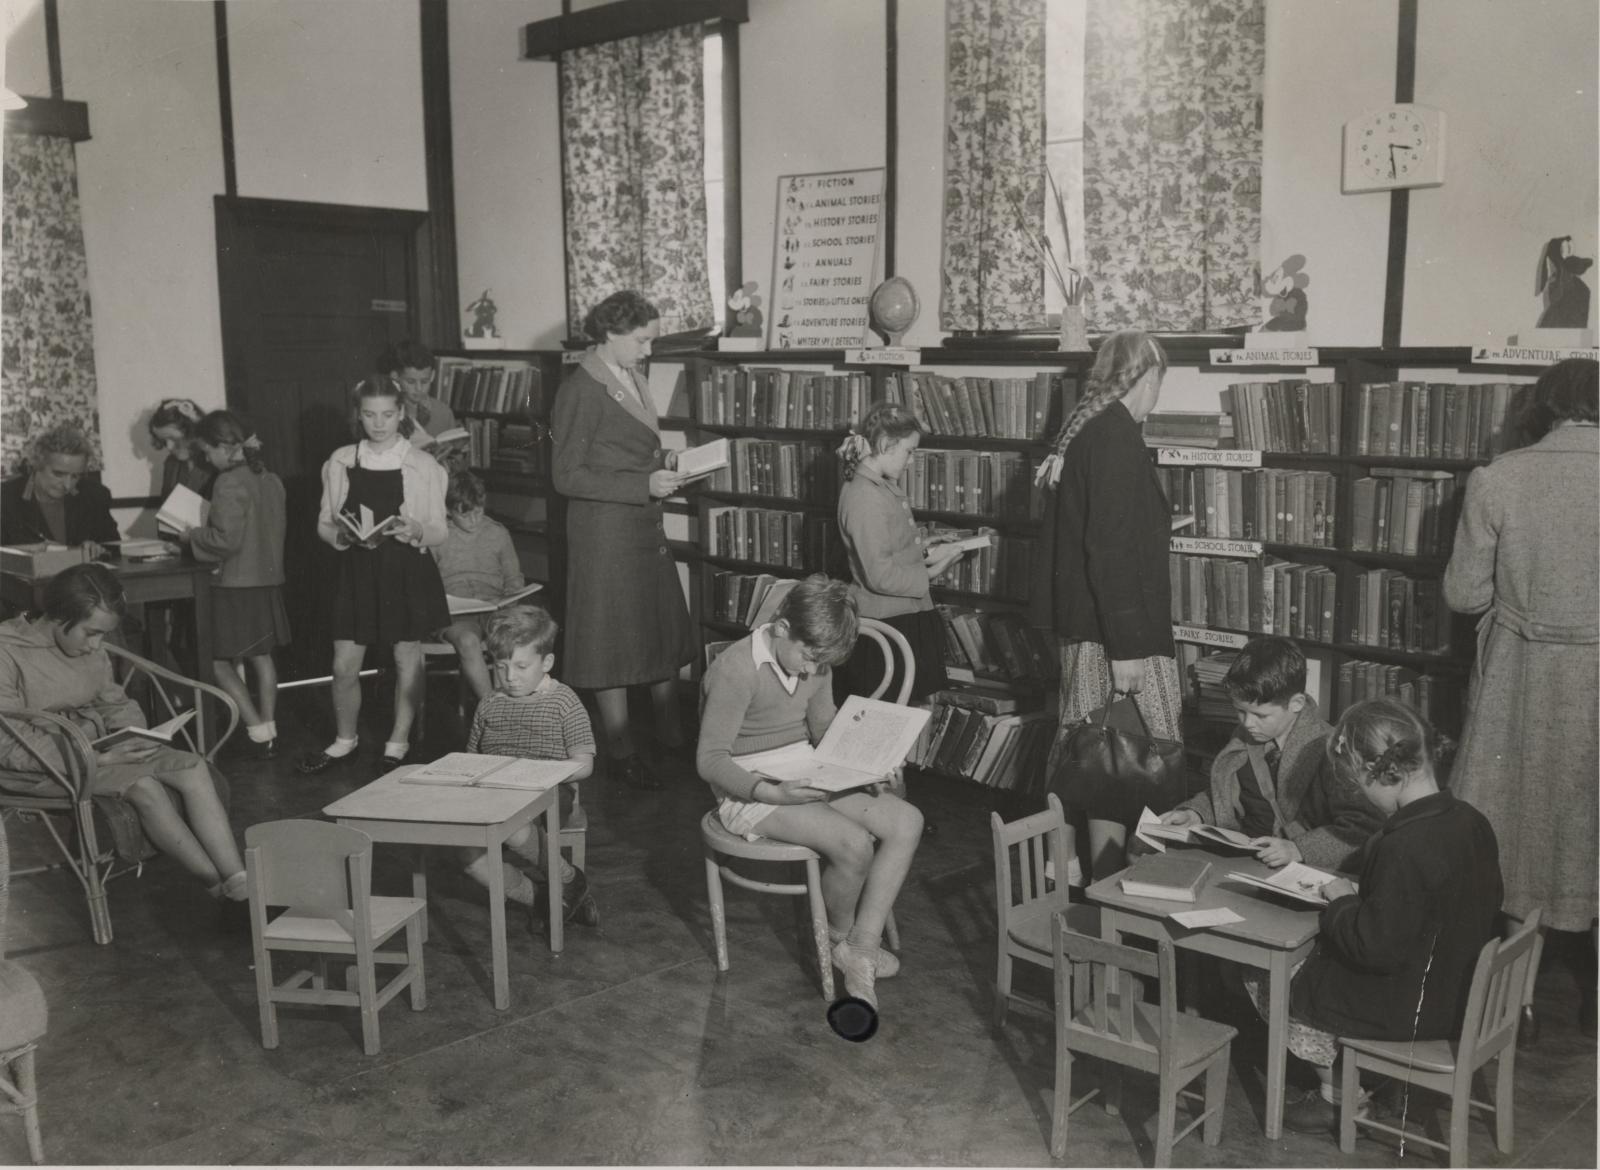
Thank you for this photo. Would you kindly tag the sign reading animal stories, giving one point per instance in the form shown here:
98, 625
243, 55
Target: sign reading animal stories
825, 258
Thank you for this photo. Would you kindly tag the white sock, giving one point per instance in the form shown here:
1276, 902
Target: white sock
260, 733
340, 748
396, 751
567, 871
519, 888
272, 728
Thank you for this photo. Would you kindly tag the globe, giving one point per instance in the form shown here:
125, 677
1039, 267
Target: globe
892, 308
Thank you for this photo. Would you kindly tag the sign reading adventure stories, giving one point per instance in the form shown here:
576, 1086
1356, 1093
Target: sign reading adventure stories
825, 257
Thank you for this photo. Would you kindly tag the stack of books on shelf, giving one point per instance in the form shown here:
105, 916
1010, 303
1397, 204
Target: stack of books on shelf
1270, 504
997, 408
973, 483
772, 536
1408, 512
491, 387
1293, 416
981, 735
1207, 671
783, 470
1437, 699
1398, 612
1002, 569
1182, 428
747, 599
1434, 420
996, 647
760, 396
1258, 596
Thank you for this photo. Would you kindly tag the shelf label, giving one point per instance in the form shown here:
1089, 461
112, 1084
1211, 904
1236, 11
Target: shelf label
571, 357
1206, 457
1527, 355
1207, 637
1265, 357
1216, 546
883, 355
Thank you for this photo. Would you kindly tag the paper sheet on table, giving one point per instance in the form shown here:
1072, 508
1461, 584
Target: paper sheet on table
1196, 919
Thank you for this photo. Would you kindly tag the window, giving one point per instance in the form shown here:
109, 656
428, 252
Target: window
716, 180
1063, 128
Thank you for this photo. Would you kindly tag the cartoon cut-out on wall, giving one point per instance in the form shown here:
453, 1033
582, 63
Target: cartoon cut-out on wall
1283, 294
1559, 283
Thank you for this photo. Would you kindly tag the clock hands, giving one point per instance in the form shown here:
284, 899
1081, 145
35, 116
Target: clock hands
1394, 146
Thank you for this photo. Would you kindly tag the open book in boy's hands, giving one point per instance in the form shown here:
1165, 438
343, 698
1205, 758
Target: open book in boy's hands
866, 741
161, 733
465, 605
364, 527
472, 770
1153, 833
1294, 880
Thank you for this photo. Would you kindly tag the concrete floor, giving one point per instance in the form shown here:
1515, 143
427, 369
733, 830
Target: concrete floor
628, 1047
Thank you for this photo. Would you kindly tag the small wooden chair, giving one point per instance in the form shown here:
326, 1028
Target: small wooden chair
1117, 1027
1501, 983
1024, 910
323, 873
23, 1018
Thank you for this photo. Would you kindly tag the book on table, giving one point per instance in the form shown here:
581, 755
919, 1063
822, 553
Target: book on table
363, 527
1172, 877
160, 733
474, 770
867, 740
704, 459
460, 606
1295, 880
183, 509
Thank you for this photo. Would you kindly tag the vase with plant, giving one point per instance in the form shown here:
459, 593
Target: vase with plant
1069, 279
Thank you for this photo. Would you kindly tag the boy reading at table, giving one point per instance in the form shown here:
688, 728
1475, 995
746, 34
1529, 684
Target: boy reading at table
478, 561
1272, 781
531, 715
775, 687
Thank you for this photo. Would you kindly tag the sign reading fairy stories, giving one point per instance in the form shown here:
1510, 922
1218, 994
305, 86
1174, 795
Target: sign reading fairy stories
825, 256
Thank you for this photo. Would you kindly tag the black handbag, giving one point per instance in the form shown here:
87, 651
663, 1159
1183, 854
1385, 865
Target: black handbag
1113, 774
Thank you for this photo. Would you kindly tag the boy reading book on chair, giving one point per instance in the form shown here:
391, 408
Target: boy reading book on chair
476, 561
775, 687
531, 715
1272, 780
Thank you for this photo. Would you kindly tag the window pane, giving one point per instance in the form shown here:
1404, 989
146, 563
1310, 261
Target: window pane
714, 177
1063, 132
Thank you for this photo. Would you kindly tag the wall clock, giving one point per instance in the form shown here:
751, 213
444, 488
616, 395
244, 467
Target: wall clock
1394, 146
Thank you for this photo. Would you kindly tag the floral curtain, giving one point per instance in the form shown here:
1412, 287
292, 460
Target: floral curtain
633, 165
993, 163
1172, 162
46, 339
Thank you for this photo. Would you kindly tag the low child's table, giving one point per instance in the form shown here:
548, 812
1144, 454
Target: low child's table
481, 818
1274, 936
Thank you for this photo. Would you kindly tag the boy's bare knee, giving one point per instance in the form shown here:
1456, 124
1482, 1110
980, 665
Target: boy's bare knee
907, 822
855, 848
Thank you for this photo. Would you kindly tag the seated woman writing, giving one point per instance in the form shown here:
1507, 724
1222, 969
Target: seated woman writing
55, 662
51, 501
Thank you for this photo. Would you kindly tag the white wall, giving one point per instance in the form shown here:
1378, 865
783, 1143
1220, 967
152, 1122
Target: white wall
27, 67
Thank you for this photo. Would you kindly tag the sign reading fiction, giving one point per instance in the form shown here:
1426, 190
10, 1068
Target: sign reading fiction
825, 257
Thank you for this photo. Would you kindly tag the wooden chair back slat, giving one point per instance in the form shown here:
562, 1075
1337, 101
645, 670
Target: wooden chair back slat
311, 866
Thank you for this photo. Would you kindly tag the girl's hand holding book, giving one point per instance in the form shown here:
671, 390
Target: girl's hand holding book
132, 752
407, 530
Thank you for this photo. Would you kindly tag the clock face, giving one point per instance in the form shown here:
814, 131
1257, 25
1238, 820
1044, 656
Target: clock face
1394, 146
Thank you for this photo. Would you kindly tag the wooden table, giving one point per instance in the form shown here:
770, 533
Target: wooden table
143, 582
1274, 936
482, 818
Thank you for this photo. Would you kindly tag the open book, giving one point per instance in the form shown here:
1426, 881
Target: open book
466, 605
1153, 833
364, 527
1294, 880
471, 770
866, 741
704, 459
1182, 520
453, 435
161, 733
182, 510
966, 544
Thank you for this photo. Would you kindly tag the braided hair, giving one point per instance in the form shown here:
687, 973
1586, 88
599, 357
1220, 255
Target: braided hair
884, 425
1123, 359
1384, 740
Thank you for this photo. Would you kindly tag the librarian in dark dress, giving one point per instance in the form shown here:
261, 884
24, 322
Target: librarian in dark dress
626, 620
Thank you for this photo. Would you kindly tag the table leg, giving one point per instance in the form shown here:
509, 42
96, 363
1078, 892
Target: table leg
552, 872
419, 884
1277, 1040
202, 647
497, 925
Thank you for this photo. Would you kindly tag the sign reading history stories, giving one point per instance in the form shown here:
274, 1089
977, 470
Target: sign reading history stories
825, 258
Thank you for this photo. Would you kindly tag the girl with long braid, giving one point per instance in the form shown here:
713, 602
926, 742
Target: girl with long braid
1102, 580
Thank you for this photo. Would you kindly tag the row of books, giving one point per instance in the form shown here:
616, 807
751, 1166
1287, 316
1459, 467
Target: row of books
1001, 569
747, 599
1184, 428
784, 470
1271, 504
1205, 670
973, 483
1399, 612
1258, 596
1437, 699
1407, 512
1003, 750
761, 396
997, 646
995, 408
1293, 415
501, 387
772, 536
1434, 420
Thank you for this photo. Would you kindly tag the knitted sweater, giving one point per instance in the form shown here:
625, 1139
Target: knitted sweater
481, 564
744, 708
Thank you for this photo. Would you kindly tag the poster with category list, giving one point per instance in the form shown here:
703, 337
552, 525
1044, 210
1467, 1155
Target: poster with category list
825, 257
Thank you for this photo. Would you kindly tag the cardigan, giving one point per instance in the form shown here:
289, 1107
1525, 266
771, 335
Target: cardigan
244, 529
744, 708
1101, 570
88, 514
424, 483
480, 564
34, 673
884, 546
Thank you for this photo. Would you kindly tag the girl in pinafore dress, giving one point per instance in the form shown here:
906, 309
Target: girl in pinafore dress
389, 591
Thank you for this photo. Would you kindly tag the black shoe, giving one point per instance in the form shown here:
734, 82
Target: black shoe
252, 749
390, 763
1528, 1028
587, 912
313, 763
635, 774
1311, 1115
573, 895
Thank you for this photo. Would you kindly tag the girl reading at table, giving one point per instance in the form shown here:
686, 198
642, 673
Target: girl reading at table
388, 590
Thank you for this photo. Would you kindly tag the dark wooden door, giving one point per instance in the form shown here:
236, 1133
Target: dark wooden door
311, 293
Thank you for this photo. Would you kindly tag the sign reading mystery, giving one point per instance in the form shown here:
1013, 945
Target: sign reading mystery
825, 255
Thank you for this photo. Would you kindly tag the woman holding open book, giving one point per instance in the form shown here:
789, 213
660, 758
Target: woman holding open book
54, 661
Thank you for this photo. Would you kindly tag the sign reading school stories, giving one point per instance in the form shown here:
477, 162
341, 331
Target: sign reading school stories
825, 257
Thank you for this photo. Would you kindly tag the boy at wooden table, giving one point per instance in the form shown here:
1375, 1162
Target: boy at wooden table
531, 715
1272, 780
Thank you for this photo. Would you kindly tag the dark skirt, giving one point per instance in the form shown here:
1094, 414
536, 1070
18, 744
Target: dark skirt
388, 594
863, 670
247, 620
